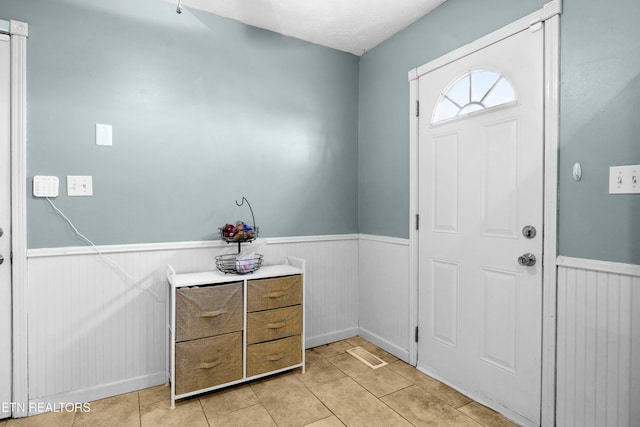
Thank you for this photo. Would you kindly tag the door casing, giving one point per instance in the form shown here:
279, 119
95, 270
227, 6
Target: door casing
18, 31
549, 16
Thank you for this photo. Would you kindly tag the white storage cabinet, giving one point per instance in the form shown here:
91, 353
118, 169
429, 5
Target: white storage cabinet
226, 329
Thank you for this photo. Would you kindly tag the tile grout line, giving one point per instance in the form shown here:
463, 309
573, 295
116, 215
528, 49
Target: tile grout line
366, 390
203, 412
260, 400
323, 404
139, 409
401, 416
317, 397
475, 415
379, 398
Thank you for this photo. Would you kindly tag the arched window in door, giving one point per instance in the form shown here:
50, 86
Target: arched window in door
476, 90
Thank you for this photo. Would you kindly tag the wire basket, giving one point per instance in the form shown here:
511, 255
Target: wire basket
230, 264
241, 236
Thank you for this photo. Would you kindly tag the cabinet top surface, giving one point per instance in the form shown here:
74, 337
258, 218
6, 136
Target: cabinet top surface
213, 277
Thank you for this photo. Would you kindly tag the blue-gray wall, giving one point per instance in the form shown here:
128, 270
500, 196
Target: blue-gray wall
600, 103
600, 99
383, 161
204, 110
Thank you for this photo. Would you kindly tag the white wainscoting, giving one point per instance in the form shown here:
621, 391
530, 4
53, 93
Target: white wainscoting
384, 293
598, 350
94, 333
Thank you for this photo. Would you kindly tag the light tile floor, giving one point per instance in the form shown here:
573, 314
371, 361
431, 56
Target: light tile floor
336, 390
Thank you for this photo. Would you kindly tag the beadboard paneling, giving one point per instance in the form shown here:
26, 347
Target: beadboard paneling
384, 293
94, 332
598, 351
331, 307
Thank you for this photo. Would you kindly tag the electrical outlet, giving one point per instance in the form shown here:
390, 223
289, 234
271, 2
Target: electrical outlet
79, 185
624, 179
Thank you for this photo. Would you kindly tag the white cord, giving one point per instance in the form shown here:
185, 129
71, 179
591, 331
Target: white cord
113, 264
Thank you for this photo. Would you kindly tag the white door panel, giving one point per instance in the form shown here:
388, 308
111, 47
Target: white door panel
480, 183
5, 225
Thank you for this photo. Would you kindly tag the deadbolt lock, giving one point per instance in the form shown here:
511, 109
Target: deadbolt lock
529, 231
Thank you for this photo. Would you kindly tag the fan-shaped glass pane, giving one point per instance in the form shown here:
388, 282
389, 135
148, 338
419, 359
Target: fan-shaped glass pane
446, 110
481, 82
459, 92
475, 91
502, 93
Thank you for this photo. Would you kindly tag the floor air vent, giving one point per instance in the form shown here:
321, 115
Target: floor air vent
367, 358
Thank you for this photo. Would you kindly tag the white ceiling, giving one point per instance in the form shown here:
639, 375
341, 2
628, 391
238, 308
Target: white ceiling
349, 25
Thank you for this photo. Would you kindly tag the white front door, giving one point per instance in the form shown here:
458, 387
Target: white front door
5, 228
480, 183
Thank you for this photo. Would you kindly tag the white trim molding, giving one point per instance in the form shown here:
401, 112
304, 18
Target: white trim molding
602, 266
549, 14
113, 249
384, 239
18, 33
552, 9
414, 133
169, 246
548, 11
550, 226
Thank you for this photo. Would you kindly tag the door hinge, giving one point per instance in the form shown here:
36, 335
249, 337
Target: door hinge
11, 258
417, 221
417, 108
416, 336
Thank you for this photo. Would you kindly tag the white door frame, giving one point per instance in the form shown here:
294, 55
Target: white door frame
550, 16
19, 33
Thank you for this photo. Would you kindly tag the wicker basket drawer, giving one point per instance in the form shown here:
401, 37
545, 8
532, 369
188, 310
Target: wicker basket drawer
208, 361
273, 355
208, 311
265, 294
274, 324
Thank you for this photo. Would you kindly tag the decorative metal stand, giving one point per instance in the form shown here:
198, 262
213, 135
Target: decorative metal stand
230, 263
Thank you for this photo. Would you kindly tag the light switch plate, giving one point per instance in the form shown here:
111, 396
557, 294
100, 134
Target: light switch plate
104, 135
45, 186
79, 185
624, 179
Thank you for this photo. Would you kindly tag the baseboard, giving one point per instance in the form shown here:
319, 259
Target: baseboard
400, 353
318, 340
57, 402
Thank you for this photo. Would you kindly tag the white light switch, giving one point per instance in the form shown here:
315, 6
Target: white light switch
79, 185
104, 135
624, 179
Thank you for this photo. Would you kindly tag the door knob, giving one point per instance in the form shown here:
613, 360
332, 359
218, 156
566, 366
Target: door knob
1, 259
527, 260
